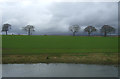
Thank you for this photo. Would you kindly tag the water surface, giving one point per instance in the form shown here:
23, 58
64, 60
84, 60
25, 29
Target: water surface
58, 70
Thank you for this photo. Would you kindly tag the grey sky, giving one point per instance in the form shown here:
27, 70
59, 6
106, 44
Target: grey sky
55, 17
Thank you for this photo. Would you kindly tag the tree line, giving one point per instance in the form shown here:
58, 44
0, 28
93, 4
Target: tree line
28, 28
105, 29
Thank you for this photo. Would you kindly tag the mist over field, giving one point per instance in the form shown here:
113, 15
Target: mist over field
51, 17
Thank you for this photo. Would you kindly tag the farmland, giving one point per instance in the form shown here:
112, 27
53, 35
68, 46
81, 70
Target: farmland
63, 49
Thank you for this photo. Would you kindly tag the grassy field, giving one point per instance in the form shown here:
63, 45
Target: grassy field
78, 49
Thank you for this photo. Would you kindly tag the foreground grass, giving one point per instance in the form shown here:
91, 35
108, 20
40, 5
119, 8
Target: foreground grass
59, 49
83, 58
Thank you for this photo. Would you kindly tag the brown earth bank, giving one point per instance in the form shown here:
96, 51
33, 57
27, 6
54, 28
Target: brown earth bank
81, 58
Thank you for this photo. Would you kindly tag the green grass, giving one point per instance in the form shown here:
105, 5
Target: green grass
59, 49
35, 45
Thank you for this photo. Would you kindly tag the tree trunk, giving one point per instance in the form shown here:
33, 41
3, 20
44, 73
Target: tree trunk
105, 34
29, 32
6, 32
88, 34
73, 33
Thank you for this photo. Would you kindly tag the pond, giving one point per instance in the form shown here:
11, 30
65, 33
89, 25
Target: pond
58, 70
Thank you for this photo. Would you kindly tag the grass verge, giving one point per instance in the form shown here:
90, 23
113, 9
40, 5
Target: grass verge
82, 58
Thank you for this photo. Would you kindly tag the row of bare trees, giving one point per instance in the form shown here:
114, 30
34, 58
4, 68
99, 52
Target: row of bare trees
74, 29
89, 29
28, 28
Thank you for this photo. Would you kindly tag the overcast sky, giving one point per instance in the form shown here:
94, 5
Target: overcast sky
51, 17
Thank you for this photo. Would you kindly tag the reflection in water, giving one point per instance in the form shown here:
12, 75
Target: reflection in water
58, 70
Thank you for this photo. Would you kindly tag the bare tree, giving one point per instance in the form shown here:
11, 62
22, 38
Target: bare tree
90, 29
107, 29
29, 29
74, 29
6, 27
